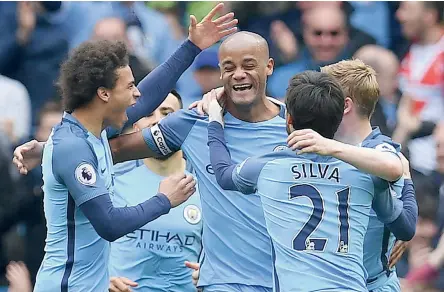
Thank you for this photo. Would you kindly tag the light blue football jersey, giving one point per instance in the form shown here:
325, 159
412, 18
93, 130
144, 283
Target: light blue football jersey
154, 255
237, 247
77, 167
316, 210
379, 241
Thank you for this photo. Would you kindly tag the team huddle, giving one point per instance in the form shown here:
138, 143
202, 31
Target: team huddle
255, 195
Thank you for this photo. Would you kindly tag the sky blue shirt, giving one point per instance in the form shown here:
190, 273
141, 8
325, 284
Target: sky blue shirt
154, 255
237, 248
317, 211
379, 241
77, 167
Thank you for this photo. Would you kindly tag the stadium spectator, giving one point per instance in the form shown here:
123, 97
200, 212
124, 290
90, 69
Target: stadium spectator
386, 65
34, 40
327, 38
26, 205
421, 81
8, 190
206, 73
114, 29
15, 110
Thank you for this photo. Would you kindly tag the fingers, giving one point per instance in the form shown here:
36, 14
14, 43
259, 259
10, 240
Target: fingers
21, 167
298, 133
225, 18
300, 142
189, 188
200, 108
397, 252
228, 25
195, 277
193, 21
226, 32
17, 271
128, 282
186, 180
194, 266
213, 12
117, 285
193, 105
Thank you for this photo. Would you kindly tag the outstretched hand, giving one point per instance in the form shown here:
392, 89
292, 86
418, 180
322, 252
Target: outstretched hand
208, 32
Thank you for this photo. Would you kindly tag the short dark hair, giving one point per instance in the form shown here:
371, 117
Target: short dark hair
315, 101
179, 98
91, 65
438, 6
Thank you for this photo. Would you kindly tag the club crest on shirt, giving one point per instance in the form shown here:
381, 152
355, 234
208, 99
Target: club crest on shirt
280, 148
85, 174
192, 214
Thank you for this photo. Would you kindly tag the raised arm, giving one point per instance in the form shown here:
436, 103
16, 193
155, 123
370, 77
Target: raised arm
382, 161
155, 86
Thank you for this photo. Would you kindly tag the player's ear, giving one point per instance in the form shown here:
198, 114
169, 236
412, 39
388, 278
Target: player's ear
348, 105
103, 94
270, 66
290, 127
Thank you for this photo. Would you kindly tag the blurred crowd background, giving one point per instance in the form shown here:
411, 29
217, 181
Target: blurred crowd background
402, 41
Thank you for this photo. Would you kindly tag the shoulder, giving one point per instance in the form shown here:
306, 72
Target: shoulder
70, 142
257, 163
181, 120
383, 143
186, 115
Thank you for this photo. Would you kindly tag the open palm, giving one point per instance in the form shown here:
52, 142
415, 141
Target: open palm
207, 32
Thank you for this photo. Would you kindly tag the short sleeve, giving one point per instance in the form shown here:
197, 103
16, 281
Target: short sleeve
168, 136
75, 165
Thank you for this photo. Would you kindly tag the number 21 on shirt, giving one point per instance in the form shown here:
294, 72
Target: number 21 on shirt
303, 241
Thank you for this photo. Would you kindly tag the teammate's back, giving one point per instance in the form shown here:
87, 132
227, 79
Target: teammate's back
317, 211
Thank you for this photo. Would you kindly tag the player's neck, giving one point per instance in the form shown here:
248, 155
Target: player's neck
263, 110
172, 165
431, 36
93, 122
355, 132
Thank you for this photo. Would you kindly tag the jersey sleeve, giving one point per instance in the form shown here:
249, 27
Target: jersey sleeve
168, 136
385, 203
75, 165
246, 175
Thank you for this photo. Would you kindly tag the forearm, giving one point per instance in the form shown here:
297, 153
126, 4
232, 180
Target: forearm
220, 157
405, 225
155, 87
382, 164
112, 223
130, 147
